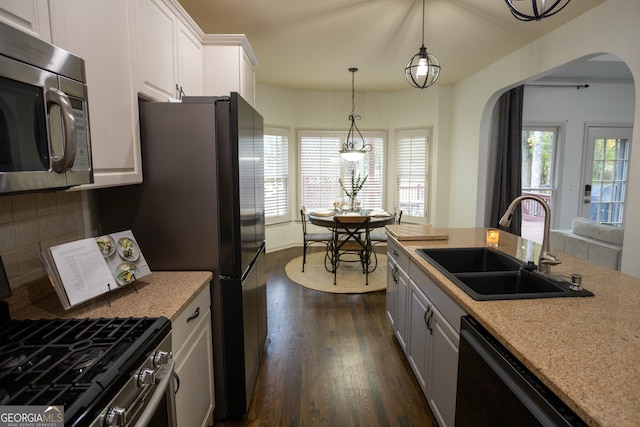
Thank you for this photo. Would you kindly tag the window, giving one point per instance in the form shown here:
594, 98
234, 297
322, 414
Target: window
538, 165
606, 171
276, 174
412, 155
321, 167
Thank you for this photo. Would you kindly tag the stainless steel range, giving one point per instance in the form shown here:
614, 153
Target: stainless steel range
105, 372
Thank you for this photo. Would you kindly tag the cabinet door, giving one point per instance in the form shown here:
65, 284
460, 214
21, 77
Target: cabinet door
194, 398
248, 79
29, 16
98, 32
190, 72
401, 310
229, 64
443, 370
156, 70
420, 310
392, 291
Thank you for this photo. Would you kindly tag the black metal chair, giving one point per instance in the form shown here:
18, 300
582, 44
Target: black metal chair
351, 237
311, 238
377, 238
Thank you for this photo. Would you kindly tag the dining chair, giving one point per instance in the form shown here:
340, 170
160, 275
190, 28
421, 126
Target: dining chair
351, 237
311, 238
377, 238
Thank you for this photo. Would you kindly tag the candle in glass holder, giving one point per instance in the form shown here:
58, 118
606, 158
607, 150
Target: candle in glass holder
493, 237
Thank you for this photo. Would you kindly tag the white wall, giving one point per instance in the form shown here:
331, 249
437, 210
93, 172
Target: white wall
608, 28
600, 103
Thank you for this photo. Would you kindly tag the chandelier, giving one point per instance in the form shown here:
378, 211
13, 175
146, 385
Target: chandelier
536, 10
354, 149
423, 69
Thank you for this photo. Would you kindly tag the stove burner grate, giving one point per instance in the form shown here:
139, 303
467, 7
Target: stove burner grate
72, 362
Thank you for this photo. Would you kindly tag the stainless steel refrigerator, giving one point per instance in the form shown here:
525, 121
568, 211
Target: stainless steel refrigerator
201, 207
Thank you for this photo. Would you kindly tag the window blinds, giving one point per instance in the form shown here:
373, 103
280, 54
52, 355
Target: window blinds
411, 167
276, 171
321, 167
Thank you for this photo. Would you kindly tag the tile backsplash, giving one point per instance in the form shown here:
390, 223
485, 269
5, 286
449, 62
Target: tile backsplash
30, 223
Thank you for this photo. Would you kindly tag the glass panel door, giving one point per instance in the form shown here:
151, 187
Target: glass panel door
538, 166
606, 171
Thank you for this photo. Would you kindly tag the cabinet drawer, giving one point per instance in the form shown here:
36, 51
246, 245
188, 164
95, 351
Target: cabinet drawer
451, 311
401, 258
189, 319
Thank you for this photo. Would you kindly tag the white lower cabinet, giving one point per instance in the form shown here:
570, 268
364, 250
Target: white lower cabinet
443, 372
398, 292
193, 355
433, 355
420, 308
430, 335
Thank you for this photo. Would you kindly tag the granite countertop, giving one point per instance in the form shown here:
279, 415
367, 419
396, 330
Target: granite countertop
163, 293
587, 350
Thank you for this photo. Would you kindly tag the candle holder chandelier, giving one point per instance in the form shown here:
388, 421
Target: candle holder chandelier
354, 148
423, 69
535, 10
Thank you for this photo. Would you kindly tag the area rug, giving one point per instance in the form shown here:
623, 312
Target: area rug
350, 278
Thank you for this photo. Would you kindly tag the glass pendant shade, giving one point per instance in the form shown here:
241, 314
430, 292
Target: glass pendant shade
352, 155
535, 10
423, 69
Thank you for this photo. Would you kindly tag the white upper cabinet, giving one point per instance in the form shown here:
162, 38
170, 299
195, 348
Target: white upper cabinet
29, 16
190, 58
229, 66
156, 50
147, 47
169, 51
98, 32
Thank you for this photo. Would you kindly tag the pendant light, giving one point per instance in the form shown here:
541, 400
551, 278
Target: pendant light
354, 149
537, 10
423, 69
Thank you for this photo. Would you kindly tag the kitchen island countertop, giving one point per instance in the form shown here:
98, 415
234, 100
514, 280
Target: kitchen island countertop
163, 293
587, 350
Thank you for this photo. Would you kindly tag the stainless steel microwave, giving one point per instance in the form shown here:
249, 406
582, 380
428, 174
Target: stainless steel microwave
44, 120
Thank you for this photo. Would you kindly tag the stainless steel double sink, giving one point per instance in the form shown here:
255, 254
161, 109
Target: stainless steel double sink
488, 274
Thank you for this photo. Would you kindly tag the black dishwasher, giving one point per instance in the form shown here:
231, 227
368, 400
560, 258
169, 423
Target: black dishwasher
495, 389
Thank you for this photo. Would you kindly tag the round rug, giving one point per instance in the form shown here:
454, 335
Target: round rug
350, 279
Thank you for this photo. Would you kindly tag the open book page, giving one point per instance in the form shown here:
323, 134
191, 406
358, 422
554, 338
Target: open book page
82, 269
127, 263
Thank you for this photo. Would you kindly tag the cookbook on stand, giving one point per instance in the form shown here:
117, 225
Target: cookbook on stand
84, 269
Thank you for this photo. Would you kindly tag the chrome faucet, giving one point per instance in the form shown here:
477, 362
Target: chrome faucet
546, 258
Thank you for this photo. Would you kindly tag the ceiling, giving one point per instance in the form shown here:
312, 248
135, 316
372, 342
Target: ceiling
310, 44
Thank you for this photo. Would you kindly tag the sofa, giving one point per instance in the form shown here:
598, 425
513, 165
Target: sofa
598, 243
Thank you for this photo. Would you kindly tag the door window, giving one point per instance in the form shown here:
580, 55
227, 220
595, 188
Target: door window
606, 172
538, 166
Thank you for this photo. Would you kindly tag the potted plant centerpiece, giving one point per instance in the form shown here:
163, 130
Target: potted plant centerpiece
356, 186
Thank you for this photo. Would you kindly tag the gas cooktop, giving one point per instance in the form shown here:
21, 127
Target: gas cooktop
78, 363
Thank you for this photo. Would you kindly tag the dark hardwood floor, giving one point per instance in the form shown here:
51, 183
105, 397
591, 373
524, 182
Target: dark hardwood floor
331, 360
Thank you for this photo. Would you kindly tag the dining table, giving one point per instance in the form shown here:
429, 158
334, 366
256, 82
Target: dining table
324, 218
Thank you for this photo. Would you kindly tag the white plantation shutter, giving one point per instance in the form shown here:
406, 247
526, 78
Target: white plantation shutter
276, 174
321, 167
371, 166
412, 162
